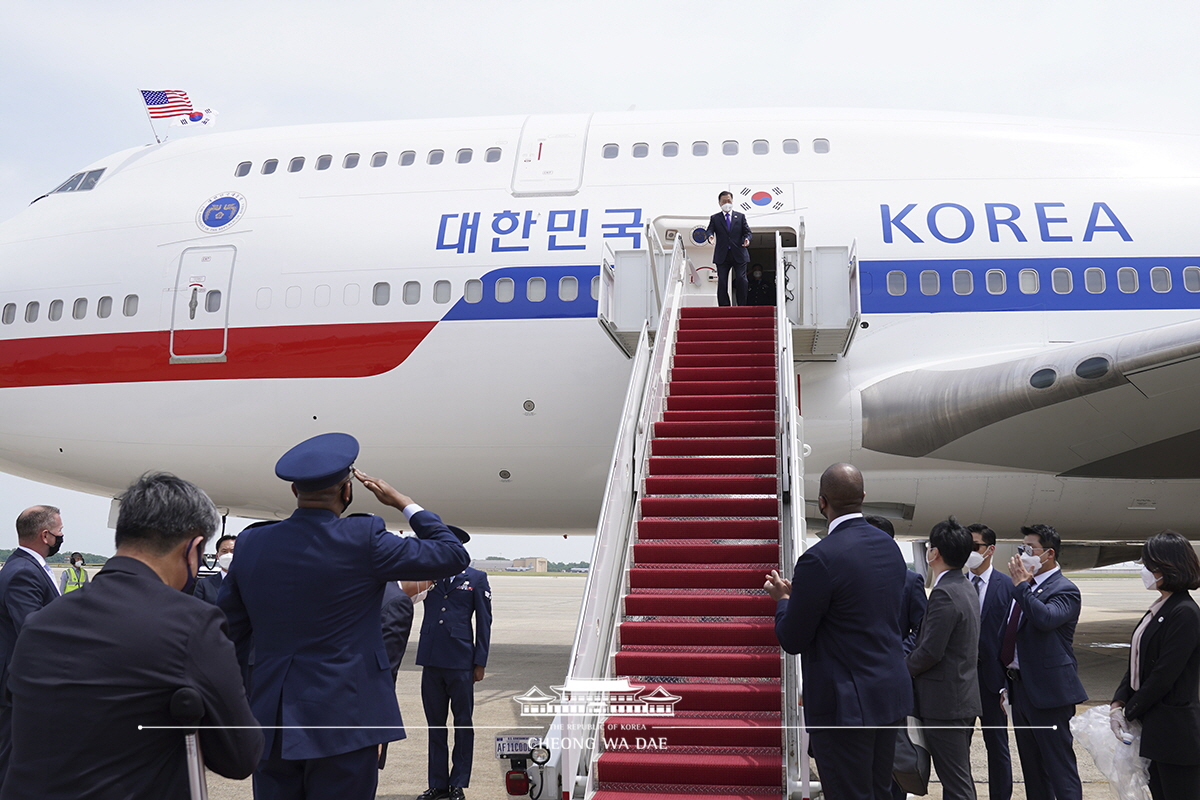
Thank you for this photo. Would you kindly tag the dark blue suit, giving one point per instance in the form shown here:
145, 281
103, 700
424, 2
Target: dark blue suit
912, 611
992, 619
25, 587
208, 588
843, 618
309, 589
1048, 689
728, 252
449, 652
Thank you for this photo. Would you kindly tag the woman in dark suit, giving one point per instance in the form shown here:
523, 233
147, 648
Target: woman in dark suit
1161, 686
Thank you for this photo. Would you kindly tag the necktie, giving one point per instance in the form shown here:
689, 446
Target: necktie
728, 222
1008, 650
978, 581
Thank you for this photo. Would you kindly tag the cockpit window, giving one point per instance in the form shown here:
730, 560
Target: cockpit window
80, 182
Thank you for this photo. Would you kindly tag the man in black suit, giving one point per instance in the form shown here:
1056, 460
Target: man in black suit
730, 233
93, 674
943, 663
208, 588
1043, 675
995, 597
26, 585
832, 612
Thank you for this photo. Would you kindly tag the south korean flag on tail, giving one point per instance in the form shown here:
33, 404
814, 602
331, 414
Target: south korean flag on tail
763, 198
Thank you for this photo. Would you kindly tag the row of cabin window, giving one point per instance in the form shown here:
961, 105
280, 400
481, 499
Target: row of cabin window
730, 147
79, 309
380, 159
1029, 282
504, 291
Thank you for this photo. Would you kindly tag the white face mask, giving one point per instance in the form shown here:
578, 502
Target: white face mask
929, 556
974, 560
1031, 562
224, 560
78, 563
419, 596
1148, 579
727, 207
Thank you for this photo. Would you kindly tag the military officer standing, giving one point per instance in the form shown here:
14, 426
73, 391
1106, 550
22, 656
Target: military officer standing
309, 590
453, 661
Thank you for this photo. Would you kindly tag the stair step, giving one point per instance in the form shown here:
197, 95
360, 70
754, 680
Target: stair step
710, 484
723, 446
703, 551
724, 361
726, 334
718, 415
667, 528
713, 465
718, 347
695, 731
668, 768
710, 507
724, 323
719, 402
692, 312
686, 793
740, 372
738, 697
685, 387
651, 602
692, 577
699, 633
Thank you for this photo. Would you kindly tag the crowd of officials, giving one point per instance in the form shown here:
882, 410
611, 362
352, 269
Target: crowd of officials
293, 648
985, 646
296, 650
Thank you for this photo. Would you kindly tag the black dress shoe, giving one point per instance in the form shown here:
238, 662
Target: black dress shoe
456, 793
435, 794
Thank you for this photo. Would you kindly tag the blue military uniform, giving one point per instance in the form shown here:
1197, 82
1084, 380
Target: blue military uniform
449, 652
309, 590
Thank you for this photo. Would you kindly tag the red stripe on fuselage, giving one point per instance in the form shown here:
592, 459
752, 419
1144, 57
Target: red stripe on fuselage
310, 351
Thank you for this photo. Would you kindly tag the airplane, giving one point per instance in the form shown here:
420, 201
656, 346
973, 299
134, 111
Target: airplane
1018, 311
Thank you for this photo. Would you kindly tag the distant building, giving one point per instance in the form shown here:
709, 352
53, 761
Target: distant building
531, 565
492, 564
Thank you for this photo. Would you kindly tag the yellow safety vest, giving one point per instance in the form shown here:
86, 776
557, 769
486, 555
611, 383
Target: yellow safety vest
75, 579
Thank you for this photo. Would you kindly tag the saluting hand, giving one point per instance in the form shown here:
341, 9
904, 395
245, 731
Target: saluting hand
778, 587
383, 491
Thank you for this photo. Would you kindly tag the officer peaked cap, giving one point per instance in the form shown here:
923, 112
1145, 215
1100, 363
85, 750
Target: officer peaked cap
319, 462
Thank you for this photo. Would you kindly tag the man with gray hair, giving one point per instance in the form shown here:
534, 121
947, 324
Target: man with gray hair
26, 585
118, 649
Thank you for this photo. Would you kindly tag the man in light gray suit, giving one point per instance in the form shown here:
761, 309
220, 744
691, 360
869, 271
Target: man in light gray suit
944, 661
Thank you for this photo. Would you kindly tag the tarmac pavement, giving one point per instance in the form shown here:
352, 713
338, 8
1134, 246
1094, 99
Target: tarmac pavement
535, 619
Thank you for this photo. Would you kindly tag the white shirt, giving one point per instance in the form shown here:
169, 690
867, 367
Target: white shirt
985, 577
840, 520
38, 557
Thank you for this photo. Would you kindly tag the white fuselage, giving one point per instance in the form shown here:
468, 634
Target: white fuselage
377, 300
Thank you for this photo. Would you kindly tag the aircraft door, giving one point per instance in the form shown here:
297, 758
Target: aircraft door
200, 312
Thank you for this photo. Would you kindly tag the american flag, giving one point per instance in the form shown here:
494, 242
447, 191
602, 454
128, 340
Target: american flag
167, 103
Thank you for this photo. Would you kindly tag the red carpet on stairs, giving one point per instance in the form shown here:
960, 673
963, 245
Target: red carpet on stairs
696, 619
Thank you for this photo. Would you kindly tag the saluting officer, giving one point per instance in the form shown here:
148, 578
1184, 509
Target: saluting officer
453, 661
309, 590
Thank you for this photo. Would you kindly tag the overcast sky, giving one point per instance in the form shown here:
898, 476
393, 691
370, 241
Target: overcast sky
70, 71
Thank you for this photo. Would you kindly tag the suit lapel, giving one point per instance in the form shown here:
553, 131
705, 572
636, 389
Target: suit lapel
40, 569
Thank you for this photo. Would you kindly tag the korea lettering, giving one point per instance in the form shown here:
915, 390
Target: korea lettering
517, 231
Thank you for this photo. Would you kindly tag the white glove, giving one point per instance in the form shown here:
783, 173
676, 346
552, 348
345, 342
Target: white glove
1119, 725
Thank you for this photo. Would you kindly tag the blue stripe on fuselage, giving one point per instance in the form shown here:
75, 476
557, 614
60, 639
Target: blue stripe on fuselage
521, 307
877, 300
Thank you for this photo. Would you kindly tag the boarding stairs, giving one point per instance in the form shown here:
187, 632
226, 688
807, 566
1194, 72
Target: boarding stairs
696, 619
704, 498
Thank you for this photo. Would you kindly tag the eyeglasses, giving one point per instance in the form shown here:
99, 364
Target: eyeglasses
980, 546
1027, 549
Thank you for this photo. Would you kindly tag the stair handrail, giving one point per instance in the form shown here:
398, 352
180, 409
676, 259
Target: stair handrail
573, 737
791, 536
